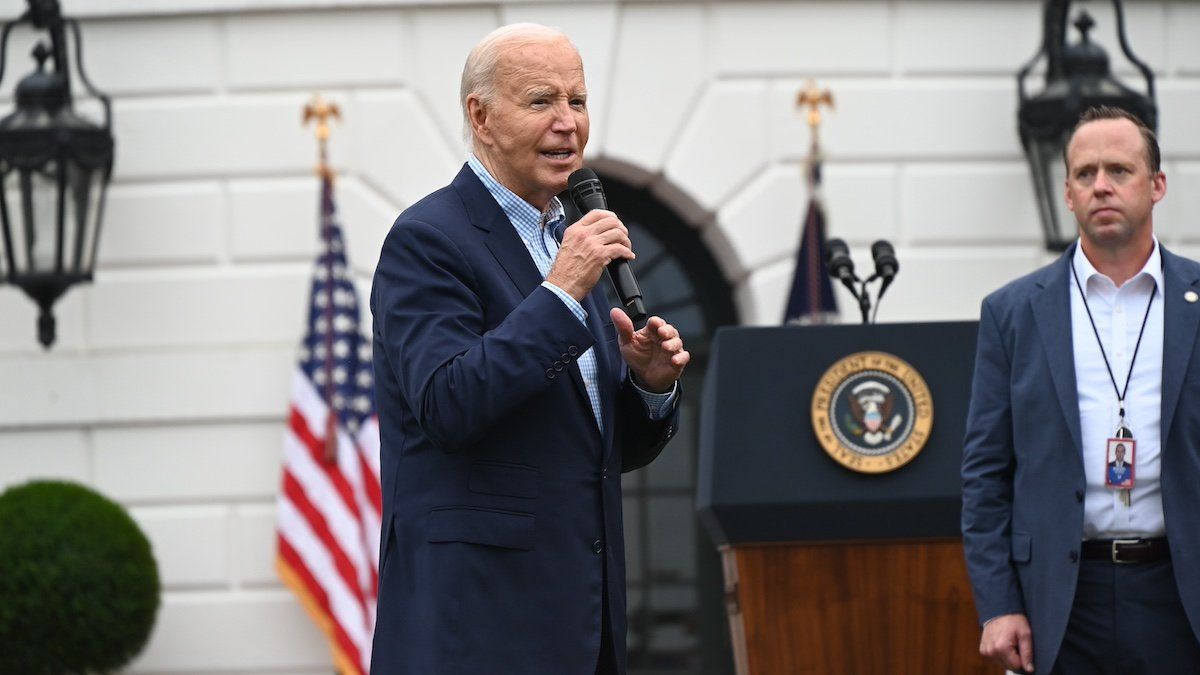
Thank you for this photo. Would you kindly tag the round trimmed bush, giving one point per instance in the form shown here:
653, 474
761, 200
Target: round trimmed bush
78, 584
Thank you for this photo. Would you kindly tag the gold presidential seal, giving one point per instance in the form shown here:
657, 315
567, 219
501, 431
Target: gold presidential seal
872, 412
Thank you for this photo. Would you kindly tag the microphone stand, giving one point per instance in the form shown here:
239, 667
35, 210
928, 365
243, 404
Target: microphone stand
861, 293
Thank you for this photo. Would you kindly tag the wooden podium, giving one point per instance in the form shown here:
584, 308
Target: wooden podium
829, 570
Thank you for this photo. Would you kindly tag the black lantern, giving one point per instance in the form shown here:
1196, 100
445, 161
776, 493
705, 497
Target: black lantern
54, 170
1077, 77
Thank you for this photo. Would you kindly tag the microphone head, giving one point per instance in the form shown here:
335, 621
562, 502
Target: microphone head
837, 259
836, 248
586, 190
886, 264
579, 176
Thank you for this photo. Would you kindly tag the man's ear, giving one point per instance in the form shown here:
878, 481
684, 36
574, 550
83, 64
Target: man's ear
477, 114
1158, 188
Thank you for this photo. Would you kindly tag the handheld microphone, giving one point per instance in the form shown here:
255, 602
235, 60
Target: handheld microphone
588, 194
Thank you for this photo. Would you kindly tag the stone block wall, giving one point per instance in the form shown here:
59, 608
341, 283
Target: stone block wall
168, 385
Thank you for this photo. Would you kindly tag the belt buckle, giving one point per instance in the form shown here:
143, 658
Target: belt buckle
1118, 542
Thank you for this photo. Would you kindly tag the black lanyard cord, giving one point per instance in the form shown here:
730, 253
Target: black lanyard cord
1119, 392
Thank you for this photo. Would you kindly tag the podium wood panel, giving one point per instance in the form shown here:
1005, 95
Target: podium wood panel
886, 608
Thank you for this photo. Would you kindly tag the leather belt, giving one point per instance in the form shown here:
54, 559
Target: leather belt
1122, 551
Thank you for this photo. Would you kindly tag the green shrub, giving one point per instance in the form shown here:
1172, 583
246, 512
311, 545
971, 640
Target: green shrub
78, 584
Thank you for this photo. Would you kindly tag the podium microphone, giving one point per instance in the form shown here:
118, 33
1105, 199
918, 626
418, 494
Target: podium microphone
839, 264
588, 195
886, 265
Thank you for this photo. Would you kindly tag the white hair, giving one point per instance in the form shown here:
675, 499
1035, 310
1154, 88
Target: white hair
479, 72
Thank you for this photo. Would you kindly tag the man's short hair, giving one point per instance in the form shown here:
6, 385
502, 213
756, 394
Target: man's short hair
1108, 112
479, 72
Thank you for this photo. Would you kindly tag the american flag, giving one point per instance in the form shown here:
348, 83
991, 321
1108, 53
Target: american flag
811, 300
330, 501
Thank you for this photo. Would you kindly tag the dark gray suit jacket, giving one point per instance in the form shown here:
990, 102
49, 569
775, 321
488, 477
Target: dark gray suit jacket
1023, 476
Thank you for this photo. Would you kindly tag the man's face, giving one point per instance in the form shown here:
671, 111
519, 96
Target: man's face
1109, 186
531, 137
1120, 454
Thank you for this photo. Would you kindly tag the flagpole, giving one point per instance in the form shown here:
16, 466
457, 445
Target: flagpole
811, 299
814, 97
322, 111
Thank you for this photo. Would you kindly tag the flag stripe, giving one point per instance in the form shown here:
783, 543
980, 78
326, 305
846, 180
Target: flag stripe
311, 475
316, 449
344, 609
320, 528
301, 581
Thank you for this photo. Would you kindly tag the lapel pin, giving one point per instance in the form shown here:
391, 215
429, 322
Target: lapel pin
1191, 296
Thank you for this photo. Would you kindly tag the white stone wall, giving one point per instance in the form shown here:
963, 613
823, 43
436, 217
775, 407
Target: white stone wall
167, 387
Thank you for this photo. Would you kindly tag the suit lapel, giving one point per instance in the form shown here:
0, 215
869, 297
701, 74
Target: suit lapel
1052, 313
1180, 322
506, 246
500, 236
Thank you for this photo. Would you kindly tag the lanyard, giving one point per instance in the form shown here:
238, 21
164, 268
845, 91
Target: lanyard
1129, 376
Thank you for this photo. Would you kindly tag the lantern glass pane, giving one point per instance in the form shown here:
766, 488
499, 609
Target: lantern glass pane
15, 229
1050, 175
1067, 225
76, 213
88, 194
39, 216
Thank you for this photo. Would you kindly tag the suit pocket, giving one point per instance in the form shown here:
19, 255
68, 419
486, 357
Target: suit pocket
504, 479
1022, 546
475, 525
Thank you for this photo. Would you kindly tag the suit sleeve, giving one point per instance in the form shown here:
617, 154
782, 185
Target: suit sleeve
459, 376
642, 438
988, 468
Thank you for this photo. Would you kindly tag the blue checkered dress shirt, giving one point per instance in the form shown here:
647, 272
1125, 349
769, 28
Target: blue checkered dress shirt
536, 230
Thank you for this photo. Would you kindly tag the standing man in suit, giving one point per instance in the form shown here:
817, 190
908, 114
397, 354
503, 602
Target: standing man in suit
510, 398
1101, 344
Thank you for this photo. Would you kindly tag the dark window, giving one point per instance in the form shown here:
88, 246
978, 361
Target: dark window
676, 613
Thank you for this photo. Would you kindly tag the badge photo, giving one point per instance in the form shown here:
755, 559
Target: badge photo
1118, 471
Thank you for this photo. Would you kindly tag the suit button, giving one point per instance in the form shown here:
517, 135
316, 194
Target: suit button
604, 473
1079, 495
565, 358
597, 547
558, 365
550, 374
1074, 556
573, 350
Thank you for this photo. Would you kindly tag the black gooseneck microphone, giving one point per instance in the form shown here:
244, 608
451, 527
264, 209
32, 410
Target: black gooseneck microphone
588, 194
839, 264
886, 265
841, 267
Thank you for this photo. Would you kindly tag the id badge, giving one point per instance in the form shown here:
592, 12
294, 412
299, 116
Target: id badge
1119, 461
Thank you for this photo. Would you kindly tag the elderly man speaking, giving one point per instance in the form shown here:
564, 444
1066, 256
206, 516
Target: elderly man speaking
510, 397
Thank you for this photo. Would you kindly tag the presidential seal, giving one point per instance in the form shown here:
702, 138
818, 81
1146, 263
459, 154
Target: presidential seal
872, 412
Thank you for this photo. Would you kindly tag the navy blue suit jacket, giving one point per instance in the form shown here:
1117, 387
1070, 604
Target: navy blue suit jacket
502, 501
1023, 475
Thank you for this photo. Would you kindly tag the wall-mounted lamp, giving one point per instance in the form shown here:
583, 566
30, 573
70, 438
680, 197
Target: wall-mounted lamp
1077, 77
54, 170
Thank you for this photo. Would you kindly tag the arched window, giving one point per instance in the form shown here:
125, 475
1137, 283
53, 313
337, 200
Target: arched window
667, 555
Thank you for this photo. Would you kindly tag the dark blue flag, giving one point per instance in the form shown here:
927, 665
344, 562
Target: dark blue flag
811, 300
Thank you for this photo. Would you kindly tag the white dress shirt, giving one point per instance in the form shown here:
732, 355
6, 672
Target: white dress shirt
1118, 315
